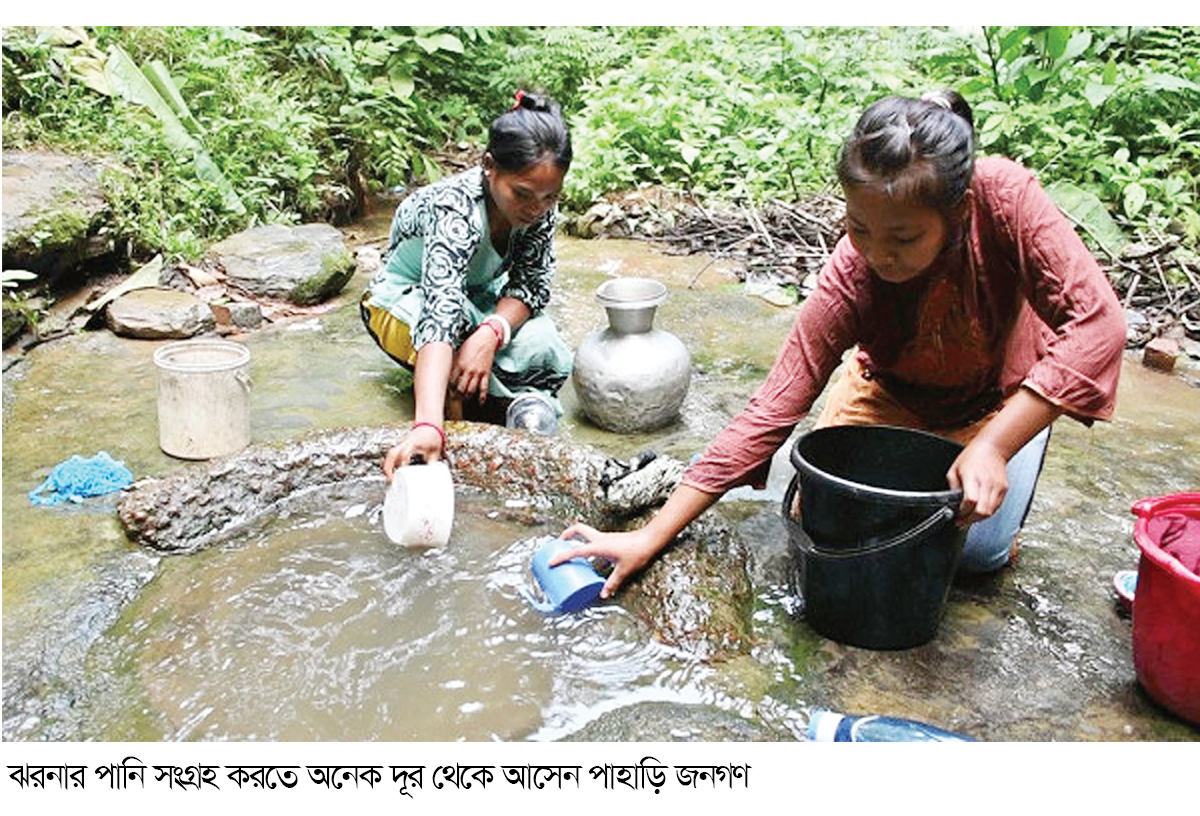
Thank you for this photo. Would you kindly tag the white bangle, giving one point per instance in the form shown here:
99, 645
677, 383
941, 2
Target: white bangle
505, 327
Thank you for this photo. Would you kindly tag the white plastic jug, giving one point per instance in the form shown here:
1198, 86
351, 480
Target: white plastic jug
418, 509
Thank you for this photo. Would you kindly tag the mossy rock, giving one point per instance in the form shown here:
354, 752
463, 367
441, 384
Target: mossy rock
304, 265
56, 216
337, 268
698, 594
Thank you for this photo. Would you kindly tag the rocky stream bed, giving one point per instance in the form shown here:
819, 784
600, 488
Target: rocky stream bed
708, 645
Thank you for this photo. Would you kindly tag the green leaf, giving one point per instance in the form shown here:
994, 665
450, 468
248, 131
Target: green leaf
207, 170
133, 85
1017, 68
1056, 41
690, 153
1110, 72
994, 127
1078, 44
402, 86
160, 78
90, 71
128, 81
1133, 198
375, 52
1096, 94
1036, 75
1012, 42
1085, 208
1168, 82
440, 42
426, 167
1191, 222
65, 36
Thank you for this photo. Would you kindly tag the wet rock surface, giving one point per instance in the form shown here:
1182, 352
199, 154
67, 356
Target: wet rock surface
673, 722
44, 676
234, 490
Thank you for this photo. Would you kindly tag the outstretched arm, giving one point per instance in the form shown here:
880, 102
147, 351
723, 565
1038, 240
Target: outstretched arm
631, 551
824, 327
430, 378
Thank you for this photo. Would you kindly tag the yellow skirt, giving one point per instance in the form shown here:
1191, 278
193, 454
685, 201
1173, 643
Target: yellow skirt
536, 359
392, 334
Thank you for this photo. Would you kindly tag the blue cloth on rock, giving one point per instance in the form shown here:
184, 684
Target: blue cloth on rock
77, 479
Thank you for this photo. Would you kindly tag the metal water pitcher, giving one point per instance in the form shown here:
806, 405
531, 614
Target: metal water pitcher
630, 376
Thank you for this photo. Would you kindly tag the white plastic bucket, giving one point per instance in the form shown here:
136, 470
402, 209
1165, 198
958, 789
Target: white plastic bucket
203, 398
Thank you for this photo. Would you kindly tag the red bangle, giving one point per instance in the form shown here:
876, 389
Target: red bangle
496, 331
441, 433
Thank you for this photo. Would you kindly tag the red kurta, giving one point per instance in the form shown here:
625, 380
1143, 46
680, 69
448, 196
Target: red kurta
1018, 301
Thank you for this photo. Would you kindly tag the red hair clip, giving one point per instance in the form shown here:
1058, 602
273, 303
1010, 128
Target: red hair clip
520, 95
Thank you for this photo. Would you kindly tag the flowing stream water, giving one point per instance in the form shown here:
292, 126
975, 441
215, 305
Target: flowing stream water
313, 627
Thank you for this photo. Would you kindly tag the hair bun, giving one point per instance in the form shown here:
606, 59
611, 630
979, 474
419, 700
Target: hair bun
952, 101
895, 132
517, 138
535, 102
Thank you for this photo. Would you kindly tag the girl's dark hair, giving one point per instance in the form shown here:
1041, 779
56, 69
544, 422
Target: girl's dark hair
526, 134
915, 149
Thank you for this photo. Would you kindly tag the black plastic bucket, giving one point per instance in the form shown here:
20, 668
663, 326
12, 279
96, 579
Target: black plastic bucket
875, 546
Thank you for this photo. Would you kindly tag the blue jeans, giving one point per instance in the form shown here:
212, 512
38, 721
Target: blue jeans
989, 541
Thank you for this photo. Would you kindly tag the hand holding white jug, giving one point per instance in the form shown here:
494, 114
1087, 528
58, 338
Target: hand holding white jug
418, 510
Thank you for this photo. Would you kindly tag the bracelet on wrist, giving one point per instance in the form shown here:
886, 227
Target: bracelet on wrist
440, 432
498, 320
491, 324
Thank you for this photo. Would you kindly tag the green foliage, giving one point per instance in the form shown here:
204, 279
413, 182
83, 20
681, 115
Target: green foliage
741, 113
1116, 111
364, 83
224, 128
558, 60
299, 123
174, 196
19, 311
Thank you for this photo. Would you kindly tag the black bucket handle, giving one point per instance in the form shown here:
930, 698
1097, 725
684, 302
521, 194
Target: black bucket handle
876, 493
939, 517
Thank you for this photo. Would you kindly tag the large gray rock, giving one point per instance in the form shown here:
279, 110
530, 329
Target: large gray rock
303, 265
55, 212
159, 314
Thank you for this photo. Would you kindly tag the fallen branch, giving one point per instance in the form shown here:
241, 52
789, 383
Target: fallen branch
788, 241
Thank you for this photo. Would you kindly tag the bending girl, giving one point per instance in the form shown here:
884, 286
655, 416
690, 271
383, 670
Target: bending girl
458, 301
973, 310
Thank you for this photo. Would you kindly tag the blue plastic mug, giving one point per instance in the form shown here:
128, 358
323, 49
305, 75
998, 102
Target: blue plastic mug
569, 586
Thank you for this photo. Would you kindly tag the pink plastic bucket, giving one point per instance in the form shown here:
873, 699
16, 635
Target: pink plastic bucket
1166, 606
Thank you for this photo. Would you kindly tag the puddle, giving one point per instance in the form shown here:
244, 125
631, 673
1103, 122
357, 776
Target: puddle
316, 627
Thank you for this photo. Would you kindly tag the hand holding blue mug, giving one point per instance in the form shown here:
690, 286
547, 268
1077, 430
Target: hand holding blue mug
569, 586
